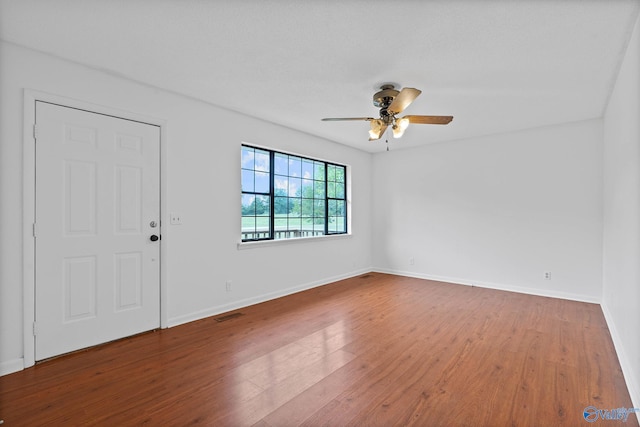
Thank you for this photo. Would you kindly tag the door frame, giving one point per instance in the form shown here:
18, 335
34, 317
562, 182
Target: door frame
29, 199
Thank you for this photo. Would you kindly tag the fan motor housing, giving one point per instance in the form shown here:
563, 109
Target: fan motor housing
385, 96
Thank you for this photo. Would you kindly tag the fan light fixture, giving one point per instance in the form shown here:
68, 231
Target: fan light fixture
376, 129
399, 127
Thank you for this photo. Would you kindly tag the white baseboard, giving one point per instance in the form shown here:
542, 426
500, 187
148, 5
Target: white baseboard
11, 366
632, 381
497, 286
213, 311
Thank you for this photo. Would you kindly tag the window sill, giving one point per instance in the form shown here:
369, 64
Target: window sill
280, 242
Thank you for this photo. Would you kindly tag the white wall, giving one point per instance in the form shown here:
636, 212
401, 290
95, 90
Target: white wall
621, 260
496, 211
202, 184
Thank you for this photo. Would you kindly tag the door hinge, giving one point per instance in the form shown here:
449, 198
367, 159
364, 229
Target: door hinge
34, 229
35, 329
35, 131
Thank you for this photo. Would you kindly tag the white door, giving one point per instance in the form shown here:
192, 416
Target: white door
97, 210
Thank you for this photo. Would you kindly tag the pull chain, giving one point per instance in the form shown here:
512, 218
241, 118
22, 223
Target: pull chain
387, 141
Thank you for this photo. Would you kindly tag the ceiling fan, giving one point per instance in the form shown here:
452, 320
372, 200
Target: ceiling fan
391, 103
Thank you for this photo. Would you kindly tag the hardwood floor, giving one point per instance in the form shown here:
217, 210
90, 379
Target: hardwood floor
374, 350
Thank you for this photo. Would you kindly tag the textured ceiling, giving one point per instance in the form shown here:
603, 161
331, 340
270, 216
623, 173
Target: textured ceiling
496, 66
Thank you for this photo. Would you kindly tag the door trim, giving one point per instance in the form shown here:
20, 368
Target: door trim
29, 198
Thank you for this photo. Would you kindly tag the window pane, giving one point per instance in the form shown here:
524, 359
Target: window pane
307, 207
319, 189
262, 183
339, 208
319, 171
318, 225
340, 174
295, 166
248, 207
280, 223
247, 158
340, 227
307, 224
331, 189
332, 207
295, 224
281, 206
281, 164
248, 224
294, 207
281, 183
262, 223
295, 187
248, 180
307, 188
307, 169
262, 205
262, 161
318, 210
331, 173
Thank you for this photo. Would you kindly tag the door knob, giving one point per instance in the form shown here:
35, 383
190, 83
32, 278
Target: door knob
153, 238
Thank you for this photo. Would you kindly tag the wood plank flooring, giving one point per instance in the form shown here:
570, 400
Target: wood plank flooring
374, 350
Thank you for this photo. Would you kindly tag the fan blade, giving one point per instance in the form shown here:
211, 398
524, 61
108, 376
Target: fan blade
403, 99
377, 129
339, 119
429, 120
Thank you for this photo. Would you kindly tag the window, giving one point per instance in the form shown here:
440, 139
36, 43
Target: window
286, 196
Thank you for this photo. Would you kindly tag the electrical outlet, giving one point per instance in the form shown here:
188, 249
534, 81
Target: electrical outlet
228, 286
175, 218
547, 275
412, 261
